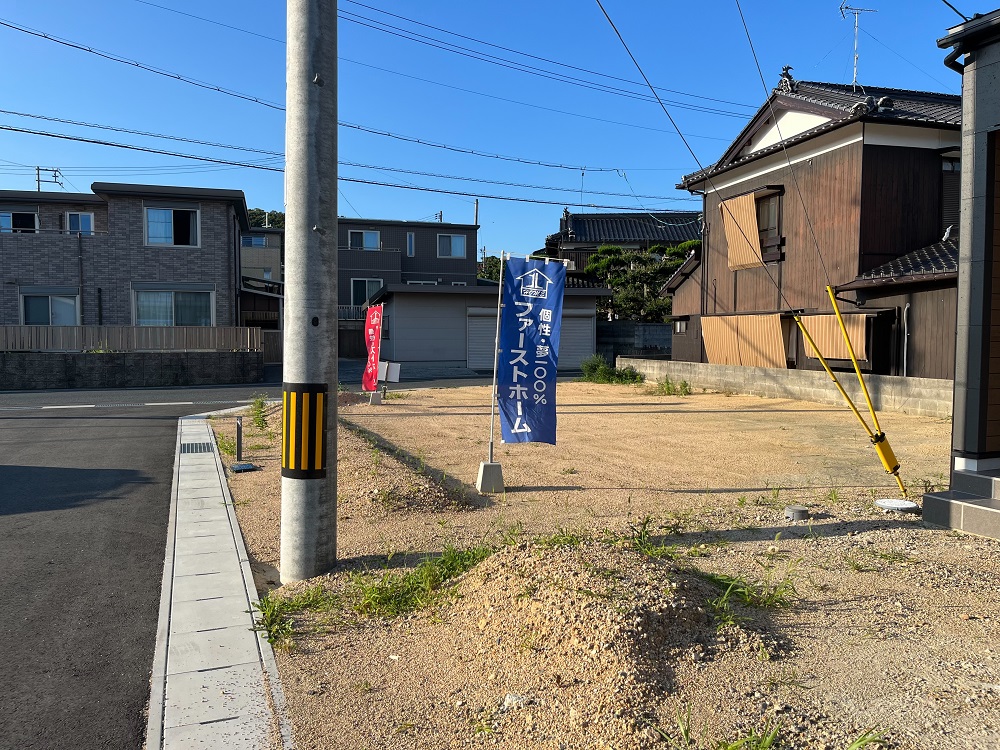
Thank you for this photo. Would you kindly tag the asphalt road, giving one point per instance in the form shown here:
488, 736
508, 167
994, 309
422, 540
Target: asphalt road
84, 498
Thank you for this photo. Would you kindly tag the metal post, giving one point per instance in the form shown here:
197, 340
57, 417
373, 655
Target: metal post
239, 439
309, 431
491, 472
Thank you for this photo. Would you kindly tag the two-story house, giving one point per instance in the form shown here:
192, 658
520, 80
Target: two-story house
123, 255
827, 185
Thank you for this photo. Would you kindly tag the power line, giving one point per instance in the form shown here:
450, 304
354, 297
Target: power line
503, 183
209, 20
146, 133
683, 139
131, 147
250, 165
520, 103
478, 195
909, 62
542, 59
520, 67
141, 66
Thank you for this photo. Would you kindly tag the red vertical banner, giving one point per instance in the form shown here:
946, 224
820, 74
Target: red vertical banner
373, 340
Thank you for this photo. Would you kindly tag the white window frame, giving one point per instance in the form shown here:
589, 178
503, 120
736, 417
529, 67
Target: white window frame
135, 303
87, 233
381, 283
50, 295
196, 210
411, 244
363, 232
465, 248
12, 230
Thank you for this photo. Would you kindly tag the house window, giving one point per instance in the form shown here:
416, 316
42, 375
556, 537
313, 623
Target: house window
172, 226
364, 240
451, 245
173, 308
680, 326
50, 310
18, 221
80, 223
362, 289
768, 218
253, 240
411, 244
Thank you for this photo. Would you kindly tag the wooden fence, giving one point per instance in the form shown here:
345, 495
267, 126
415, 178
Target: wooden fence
128, 338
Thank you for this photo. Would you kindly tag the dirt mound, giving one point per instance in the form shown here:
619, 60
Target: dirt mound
581, 640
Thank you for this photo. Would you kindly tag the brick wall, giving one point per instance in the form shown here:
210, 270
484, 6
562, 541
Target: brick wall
114, 258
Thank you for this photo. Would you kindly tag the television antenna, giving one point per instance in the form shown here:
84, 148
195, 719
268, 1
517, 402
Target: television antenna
844, 10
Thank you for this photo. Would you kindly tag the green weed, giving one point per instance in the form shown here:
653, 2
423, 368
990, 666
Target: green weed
227, 445
398, 592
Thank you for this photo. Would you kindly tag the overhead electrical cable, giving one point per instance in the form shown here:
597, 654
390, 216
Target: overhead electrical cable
141, 132
505, 184
521, 67
684, 140
479, 195
543, 59
141, 66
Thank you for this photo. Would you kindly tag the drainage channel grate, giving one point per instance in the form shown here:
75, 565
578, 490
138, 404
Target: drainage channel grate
196, 447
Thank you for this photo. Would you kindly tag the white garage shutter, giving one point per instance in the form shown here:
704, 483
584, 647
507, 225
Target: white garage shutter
481, 335
576, 342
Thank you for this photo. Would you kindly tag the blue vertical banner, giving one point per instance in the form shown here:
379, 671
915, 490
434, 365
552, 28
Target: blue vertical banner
530, 322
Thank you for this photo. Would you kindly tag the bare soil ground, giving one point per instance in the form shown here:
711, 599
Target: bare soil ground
606, 618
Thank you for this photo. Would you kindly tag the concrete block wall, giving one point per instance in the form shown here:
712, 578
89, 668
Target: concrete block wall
21, 371
920, 396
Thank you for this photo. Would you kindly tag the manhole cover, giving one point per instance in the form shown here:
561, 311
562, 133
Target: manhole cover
196, 447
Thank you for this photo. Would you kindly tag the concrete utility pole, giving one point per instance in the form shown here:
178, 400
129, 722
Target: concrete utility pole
309, 430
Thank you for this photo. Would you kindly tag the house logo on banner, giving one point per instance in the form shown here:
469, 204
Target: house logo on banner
530, 324
532, 286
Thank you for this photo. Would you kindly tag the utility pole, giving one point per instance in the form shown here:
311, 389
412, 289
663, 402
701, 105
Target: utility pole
309, 430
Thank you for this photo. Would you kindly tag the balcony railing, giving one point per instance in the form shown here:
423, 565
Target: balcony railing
128, 339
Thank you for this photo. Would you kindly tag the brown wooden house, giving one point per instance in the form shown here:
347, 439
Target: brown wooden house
827, 185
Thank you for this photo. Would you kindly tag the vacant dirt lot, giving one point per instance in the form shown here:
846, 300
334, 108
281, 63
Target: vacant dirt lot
647, 588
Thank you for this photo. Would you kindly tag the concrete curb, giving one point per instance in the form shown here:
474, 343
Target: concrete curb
212, 684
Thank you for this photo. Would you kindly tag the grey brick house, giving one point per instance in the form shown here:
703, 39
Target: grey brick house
122, 255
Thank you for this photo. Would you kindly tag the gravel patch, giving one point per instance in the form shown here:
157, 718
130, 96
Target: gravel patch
597, 622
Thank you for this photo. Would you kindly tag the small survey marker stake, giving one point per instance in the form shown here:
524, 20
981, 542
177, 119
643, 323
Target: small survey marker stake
796, 512
237, 468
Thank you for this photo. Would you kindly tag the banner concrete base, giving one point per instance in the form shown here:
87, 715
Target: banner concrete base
490, 478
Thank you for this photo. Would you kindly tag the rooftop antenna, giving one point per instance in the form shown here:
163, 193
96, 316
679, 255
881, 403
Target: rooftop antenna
844, 10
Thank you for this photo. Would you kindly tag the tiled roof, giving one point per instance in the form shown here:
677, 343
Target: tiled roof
941, 257
665, 226
916, 107
912, 106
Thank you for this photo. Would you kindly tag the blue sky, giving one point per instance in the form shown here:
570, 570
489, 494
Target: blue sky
391, 84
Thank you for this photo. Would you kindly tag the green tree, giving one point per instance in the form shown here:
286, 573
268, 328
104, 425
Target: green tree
635, 278
274, 218
489, 268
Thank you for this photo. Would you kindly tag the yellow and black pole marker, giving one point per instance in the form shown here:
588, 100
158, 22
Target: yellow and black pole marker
303, 442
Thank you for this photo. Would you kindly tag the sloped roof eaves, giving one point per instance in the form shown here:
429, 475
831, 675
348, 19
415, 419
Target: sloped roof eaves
915, 108
610, 228
932, 263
